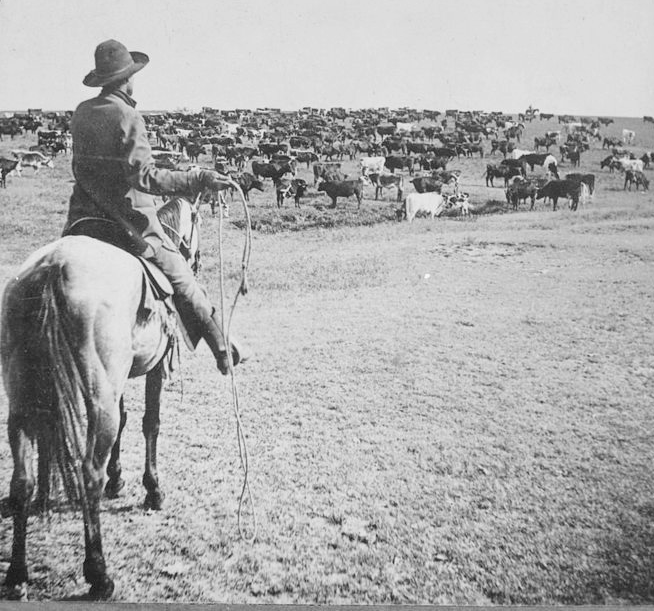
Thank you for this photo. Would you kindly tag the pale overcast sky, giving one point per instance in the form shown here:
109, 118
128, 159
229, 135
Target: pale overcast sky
590, 57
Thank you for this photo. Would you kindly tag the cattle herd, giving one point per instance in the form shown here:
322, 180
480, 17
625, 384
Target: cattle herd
390, 149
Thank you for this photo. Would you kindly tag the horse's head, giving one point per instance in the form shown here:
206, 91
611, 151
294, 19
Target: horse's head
181, 221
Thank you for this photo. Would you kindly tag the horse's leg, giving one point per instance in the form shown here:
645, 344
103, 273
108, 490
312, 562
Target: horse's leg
45, 445
20, 493
102, 433
116, 483
153, 384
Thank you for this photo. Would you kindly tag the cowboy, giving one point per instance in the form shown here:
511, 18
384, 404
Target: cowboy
117, 181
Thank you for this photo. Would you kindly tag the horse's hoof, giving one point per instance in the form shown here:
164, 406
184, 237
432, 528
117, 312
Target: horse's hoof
101, 591
154, 500
18, 592
113, 488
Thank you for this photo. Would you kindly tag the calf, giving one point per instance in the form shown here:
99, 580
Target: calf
36, 160
460, 201
431, 203
387, 181
343, 188
294, 188
636, 177
7, 166
571, 189
521, 189
305, 156
247, 182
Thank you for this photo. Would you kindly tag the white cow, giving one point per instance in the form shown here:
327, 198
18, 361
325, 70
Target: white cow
372, 165
517, 153
432, 203
635, 165
628, 136
404, 128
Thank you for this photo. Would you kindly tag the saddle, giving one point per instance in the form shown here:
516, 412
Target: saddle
156, 287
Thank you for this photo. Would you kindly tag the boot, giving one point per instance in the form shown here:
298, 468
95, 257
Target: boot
213, 335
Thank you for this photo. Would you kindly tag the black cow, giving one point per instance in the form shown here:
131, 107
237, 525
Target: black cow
397, 162
534, 159
609, 142
521, 189
267, 149
430, 162
427, 184
502, 171
247, 182
587, 179
387, 181
193, 151
294, 188
607, 162
304, 156
648, 119
636, 177
270, 170
544, 141
6, 166
343, 188
571, 189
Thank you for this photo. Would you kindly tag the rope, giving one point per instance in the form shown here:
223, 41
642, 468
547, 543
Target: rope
246, 492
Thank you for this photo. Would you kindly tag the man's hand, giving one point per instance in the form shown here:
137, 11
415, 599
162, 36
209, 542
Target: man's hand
213, 181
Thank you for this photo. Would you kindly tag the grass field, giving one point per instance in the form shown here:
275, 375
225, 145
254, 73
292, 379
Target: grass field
454, 411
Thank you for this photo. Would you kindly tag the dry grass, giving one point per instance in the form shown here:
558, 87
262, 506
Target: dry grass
456, 411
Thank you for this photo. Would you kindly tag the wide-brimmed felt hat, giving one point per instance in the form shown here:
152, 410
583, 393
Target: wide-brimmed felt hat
113, 62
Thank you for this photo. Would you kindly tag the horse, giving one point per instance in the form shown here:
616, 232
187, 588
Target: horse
76, 324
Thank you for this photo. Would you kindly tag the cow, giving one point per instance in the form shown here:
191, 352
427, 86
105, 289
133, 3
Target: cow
607, 162
193, 151
430, 162
330, 172
648, 119
542, 159
268, 148
372, 164
587, 179
36, 160
304, 156
544, 142
460, 201
628, 136
397, 162
294, 188
502, 146
604, 120
247, 182
270, 170
554, 189
427, 184
610, 142
387, 181
623, 164
502, 171
431, 203
521, 189
636, 177
343, 188
7, 166
448, 177
646, 159
574, 155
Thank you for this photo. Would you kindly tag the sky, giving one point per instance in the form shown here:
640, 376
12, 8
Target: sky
587, 57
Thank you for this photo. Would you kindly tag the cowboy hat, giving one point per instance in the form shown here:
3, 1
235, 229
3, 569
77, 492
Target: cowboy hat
113, 62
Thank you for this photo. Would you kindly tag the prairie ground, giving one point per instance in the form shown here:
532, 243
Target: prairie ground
454, 411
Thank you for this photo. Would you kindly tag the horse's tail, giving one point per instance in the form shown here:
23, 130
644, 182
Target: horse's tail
59, 358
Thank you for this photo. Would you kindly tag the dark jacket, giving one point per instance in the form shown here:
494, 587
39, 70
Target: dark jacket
115, 174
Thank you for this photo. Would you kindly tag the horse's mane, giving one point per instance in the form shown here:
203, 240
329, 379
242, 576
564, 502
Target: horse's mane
170, 216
